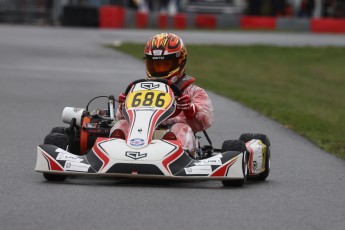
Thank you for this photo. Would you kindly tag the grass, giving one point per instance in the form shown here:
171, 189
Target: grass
303, 88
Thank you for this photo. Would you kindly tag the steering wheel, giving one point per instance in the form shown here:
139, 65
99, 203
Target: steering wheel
173, 86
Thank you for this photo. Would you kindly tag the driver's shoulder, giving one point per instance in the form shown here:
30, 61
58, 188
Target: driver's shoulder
185, 82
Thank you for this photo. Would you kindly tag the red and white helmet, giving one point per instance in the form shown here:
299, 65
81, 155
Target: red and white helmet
166, 56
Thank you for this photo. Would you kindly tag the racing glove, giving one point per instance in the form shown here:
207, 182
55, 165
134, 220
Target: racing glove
121, 99
185, 104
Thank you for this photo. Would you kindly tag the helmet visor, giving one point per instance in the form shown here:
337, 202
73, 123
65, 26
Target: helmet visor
161, 68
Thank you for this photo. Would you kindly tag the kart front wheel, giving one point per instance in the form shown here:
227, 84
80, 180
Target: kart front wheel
236, 145
54, 177
61, 141
250, 136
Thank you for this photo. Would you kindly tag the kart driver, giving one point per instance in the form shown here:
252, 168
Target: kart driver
166, 57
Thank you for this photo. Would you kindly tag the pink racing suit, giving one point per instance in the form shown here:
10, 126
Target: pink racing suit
183, 127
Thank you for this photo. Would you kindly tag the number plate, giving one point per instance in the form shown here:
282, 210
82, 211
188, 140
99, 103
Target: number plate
148, 98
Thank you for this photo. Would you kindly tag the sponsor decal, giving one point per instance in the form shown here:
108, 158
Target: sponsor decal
76, 110
66, 156
157, 52
149, 85
210, 161
256, 149
255, 165
135, 155
158, 58
76, 166
198, 170
137, 142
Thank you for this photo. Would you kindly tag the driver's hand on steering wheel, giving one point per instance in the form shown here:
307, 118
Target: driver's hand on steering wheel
185, 104
121, 99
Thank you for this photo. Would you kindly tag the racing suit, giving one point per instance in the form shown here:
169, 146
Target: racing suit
182, 126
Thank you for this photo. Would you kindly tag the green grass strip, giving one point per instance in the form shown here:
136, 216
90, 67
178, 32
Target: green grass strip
303, 88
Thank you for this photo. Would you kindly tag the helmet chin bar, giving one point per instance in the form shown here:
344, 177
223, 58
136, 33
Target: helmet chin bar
172, 78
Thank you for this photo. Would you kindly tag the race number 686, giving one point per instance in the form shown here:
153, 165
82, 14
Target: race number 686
149, 98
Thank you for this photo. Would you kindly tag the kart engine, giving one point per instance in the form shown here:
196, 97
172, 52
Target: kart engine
70, 112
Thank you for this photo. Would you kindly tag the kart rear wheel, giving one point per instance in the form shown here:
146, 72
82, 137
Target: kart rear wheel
236, 145
73, 142
58, 129
61, 141
250, 136
57, 139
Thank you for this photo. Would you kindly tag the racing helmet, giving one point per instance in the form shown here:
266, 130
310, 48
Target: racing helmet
166, 56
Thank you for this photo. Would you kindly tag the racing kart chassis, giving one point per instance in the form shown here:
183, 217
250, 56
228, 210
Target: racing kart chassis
85, 148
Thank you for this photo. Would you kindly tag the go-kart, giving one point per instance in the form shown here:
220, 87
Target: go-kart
147, 152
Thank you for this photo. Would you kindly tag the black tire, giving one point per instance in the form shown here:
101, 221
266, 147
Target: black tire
54, 177
73, 142
233, 145
59, 129
245, 137
57, 139
233, 183
236, 145
250, 136
61, 141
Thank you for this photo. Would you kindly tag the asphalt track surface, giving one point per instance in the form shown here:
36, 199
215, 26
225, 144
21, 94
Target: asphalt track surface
43, 70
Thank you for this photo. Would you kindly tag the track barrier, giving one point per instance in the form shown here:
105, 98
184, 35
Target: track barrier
205, 21
267, 23
141, 20
80, 16
328, 25
162, 21
180, 22
112, 17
